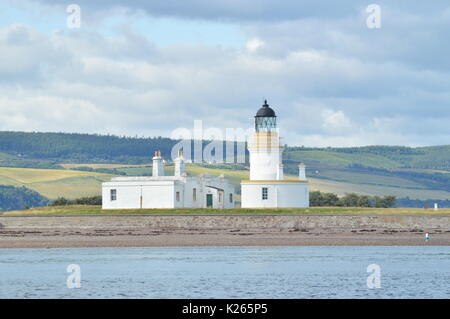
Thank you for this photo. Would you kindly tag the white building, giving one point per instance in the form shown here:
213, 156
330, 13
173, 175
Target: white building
267, 186
160, 191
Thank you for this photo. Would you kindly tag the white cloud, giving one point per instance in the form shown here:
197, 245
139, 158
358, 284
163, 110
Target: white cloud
331, 81
254, 44
335, 121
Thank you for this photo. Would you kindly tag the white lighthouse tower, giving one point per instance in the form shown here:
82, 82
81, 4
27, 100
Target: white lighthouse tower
267, 186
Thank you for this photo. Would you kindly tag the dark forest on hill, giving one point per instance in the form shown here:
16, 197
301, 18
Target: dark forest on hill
18, 198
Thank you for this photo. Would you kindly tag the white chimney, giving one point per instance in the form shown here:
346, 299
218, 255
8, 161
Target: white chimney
158, 164
302, 172
280, 174
179, 164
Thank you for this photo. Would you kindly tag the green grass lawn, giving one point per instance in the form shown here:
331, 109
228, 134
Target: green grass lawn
96, 210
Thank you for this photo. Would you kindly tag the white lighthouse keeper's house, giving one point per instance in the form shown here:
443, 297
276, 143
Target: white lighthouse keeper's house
267, 186
161, 191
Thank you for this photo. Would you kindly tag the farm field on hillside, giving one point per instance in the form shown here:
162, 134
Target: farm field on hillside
341, 188
340, 159
95, 166
69, 183
53, 183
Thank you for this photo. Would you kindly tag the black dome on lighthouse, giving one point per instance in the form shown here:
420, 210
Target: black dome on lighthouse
265, 111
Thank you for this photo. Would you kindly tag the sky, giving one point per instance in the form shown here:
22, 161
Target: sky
147, 68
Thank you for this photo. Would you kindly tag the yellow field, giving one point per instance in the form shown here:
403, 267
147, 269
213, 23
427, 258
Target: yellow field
53, 183
95, 166
32, 175
235, 177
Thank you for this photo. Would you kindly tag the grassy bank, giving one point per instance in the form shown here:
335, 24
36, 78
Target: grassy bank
96, 210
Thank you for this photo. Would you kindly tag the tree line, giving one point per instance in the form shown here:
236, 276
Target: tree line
74, 147
92, 200
318, 198
48, 149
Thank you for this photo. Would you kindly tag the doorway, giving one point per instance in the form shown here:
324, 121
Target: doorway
209, 200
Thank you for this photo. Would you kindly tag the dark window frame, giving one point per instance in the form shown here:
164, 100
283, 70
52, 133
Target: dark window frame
265, 193
113, 195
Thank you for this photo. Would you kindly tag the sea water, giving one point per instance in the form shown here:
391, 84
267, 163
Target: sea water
226, 272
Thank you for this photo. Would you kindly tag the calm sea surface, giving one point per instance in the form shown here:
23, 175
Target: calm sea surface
226, 272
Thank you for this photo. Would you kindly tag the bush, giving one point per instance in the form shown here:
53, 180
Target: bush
318, 198
350, 200
93, 200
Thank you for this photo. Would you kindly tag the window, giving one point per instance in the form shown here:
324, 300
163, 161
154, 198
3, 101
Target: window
113, 194
265, 124
194, 194
265, 193
231, 198
178, 196
220, 197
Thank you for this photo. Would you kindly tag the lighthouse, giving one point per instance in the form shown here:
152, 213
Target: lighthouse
267, 186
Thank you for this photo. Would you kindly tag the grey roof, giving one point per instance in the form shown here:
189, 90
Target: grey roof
265, 111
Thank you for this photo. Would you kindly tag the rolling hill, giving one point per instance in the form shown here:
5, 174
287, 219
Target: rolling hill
74, 165
74, 184
18, 198
54, 183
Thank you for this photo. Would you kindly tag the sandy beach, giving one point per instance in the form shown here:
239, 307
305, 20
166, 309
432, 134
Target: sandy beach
222, 230
59, 238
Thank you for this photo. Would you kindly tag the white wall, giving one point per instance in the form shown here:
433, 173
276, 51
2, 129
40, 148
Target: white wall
161, 193
158, 196
228, 189
293, 195
207, 185
280, 194
265, 156
264, 164
127, 197
154, 195
189, 186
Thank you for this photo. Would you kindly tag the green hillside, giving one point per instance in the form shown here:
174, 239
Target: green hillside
45, 150
385, 157
74, 165
18, 198
378, 170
